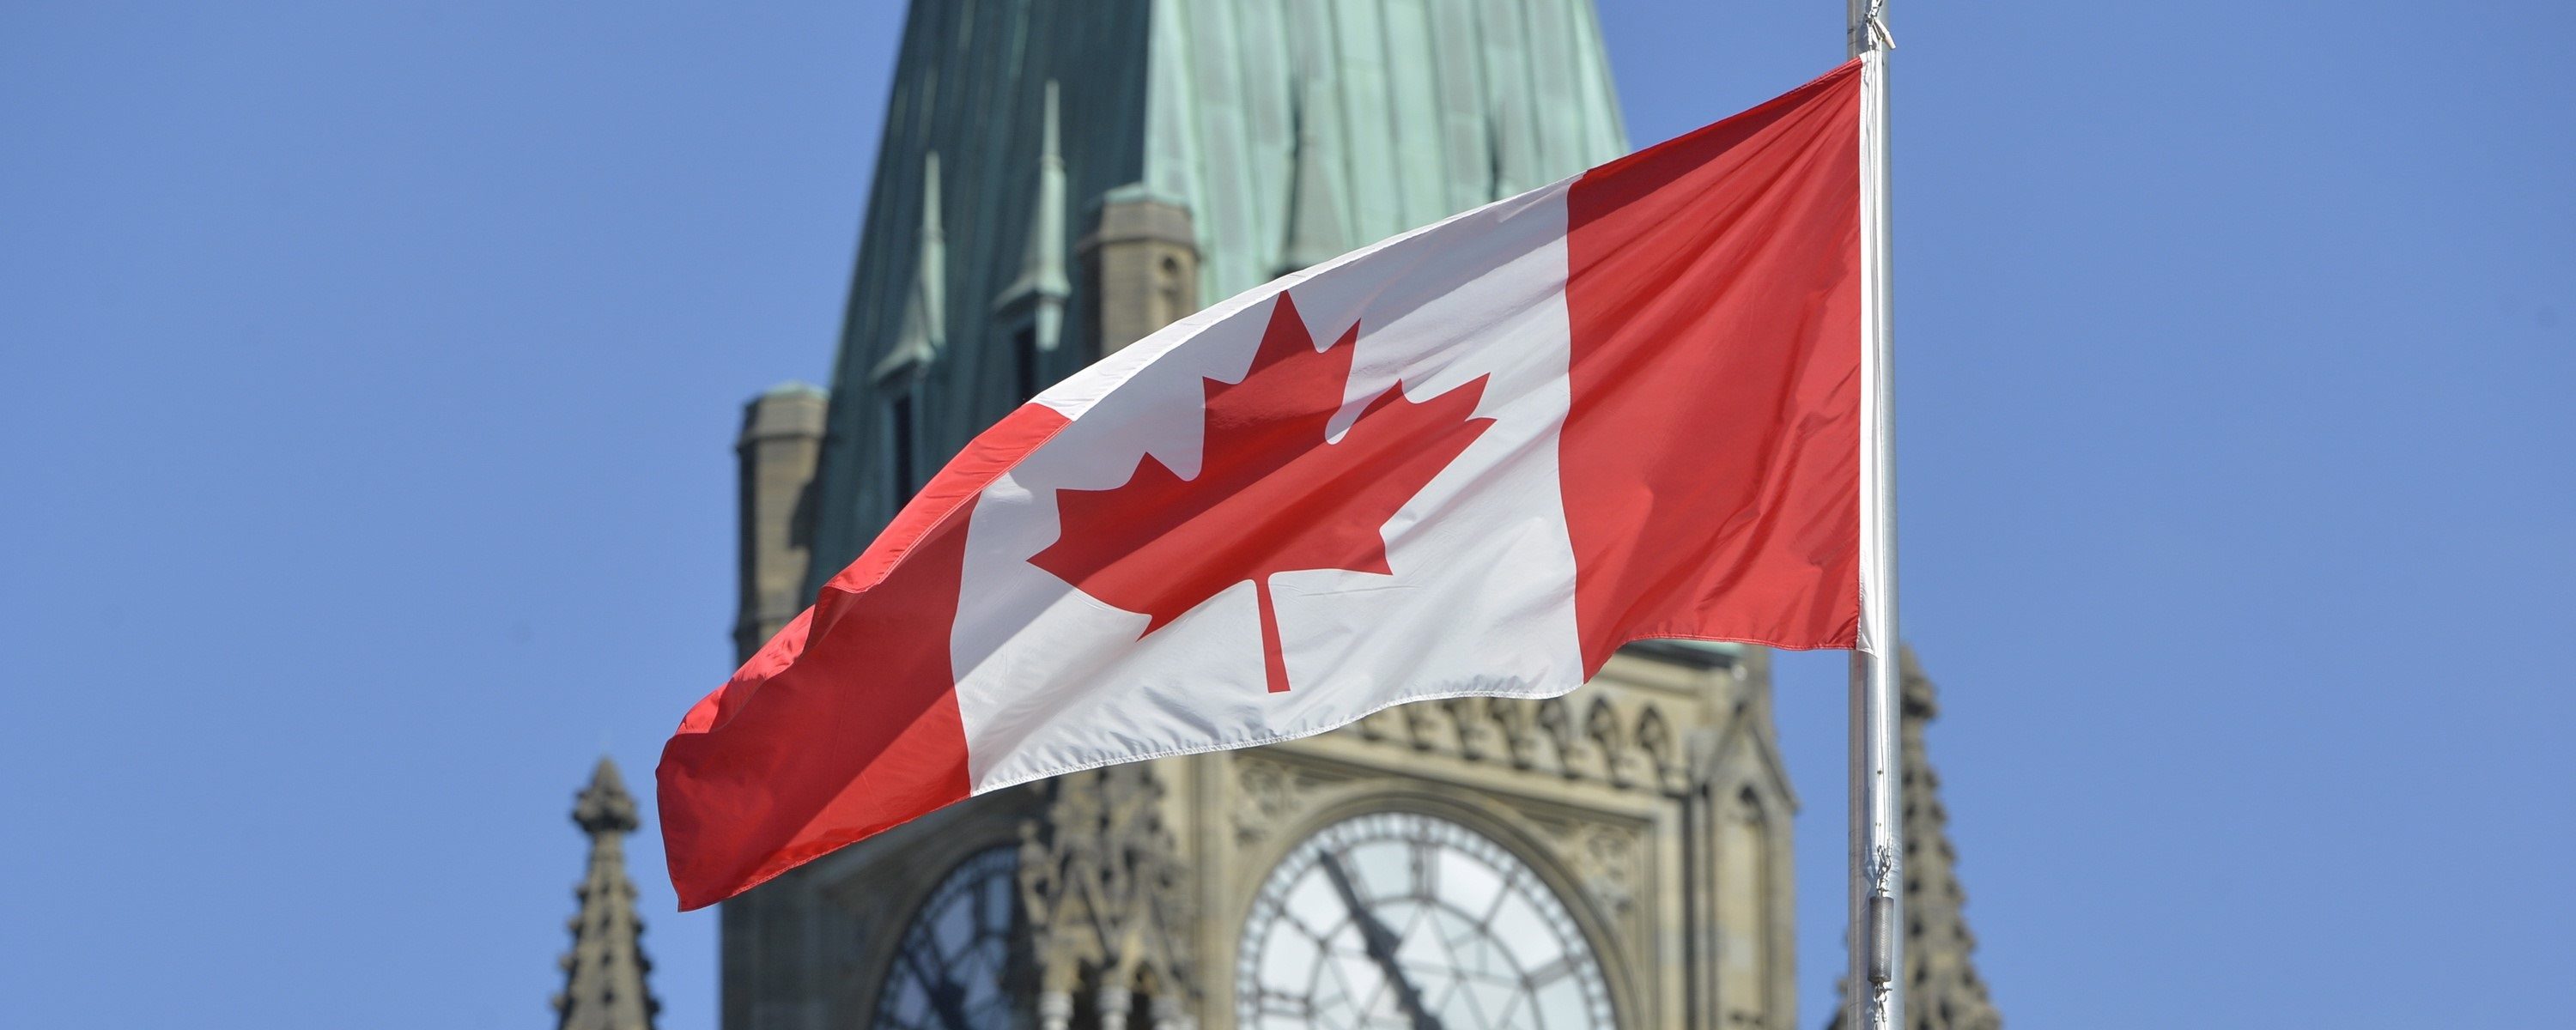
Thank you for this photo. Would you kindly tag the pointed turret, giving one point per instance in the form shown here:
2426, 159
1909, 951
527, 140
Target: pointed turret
924, 329
1042, 286
604, 973
1943, 990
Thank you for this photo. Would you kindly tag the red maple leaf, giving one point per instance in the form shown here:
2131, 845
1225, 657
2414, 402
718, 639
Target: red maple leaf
1272, 494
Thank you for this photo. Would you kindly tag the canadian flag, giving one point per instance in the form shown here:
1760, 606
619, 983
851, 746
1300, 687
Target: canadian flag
1470, 460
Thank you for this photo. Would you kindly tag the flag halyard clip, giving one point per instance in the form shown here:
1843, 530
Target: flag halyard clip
1873, 28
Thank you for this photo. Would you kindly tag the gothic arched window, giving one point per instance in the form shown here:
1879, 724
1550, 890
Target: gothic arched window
1024, 363
1171, 291
903, 445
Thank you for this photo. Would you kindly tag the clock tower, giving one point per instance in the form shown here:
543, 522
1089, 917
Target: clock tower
1057, 179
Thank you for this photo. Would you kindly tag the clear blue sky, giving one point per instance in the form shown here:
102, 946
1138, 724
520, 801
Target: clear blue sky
368, 376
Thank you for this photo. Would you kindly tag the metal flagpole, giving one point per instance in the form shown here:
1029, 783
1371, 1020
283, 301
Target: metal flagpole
1874, 998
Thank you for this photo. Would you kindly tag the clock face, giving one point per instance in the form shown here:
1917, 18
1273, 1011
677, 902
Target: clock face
947, 972
1411, 922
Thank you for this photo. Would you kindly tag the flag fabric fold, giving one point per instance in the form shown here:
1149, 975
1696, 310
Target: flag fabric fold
1471, 460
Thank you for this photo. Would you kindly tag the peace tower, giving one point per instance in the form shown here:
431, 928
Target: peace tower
1057, 179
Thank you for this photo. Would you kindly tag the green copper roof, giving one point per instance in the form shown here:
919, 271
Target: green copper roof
1291, 131
1312, 128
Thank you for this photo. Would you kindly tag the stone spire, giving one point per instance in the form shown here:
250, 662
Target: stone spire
1943, 990
1042, 284
604, 972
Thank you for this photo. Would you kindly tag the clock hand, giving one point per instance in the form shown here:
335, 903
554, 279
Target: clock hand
943, 996
1380, 943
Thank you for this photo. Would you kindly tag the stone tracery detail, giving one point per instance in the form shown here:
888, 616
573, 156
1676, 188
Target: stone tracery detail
1267, 795
1107, 899
1606, 860
1517, 721
1419, 726
1623, 741
1556, 724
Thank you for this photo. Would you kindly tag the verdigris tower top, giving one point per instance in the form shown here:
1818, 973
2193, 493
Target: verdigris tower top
1059, 177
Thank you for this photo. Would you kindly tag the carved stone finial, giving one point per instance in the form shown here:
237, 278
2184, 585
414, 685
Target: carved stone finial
1655, 739
1518, 722
1601, 724
1556, 721
604, 973
604, 806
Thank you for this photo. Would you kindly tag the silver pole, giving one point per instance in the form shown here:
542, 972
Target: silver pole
1875, 996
